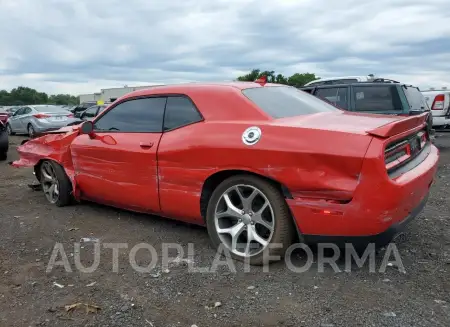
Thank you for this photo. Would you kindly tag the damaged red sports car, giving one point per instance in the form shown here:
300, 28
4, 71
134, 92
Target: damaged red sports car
258, 164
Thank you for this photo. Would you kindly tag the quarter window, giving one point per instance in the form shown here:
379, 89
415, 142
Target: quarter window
134, 116
180, 111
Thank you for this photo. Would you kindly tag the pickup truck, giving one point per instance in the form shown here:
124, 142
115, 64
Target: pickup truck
380, 96
439, 102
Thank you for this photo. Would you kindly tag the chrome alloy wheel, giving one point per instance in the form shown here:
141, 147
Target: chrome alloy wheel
49, 181
244, 220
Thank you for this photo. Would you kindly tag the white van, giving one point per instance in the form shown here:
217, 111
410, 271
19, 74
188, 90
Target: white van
439, 102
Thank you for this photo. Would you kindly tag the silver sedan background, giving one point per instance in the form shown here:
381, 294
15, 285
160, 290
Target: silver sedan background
36, 119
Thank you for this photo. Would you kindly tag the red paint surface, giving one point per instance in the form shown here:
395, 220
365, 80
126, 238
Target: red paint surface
330, 163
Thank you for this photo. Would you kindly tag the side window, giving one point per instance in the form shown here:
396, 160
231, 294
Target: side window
26, 111
19, 112
377, 98
89, 113
334, 95
180, 111
134, 116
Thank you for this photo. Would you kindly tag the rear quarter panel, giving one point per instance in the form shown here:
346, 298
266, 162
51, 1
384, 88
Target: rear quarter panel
311, 163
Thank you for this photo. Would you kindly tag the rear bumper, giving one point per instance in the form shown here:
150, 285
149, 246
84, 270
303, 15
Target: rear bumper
380, 239
380, 205
441, 120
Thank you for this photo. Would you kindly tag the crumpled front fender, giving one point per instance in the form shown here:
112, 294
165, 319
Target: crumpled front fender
54, 147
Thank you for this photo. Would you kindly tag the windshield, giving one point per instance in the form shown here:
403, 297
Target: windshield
285, 101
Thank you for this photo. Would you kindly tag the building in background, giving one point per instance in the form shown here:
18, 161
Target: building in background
111, 94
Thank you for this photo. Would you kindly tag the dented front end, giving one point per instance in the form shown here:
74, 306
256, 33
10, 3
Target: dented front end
53, 146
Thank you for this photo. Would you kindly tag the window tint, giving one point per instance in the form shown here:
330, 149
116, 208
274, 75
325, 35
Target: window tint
26, 111
180, 111
335, 95
89, 113
415, 99
377, 98
138, 116
284, 101
19, 112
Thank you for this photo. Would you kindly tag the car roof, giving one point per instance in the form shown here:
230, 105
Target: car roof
195, 86
232, 105
357, 84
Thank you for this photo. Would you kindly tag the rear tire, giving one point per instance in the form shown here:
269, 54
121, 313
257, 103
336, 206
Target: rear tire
265, 225
3, 156
55, 183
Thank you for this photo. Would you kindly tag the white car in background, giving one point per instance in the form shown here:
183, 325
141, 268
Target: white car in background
439, 102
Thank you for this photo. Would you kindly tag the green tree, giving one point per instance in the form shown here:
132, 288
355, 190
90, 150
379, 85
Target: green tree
297, 80
250, 77
27, 96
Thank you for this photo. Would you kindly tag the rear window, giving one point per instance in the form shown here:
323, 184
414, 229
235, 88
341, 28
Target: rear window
415, 99
283, 101
383, 98
49, 109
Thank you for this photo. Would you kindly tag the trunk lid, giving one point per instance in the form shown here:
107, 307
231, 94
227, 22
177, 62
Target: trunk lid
342, 121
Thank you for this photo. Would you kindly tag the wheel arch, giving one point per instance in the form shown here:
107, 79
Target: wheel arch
215, 179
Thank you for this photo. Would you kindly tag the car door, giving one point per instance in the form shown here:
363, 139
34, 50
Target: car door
25, 118
117, 164
175, 160
14, 121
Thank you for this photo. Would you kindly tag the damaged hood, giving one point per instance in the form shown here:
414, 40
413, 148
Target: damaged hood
53, 145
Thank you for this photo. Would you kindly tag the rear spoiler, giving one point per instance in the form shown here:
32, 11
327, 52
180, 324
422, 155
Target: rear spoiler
399, 126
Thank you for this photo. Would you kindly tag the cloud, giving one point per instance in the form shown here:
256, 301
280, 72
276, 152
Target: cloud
80, 46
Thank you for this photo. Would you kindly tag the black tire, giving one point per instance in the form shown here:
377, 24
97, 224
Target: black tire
65, 196
31, 131
9, 129
284, 229
3, 155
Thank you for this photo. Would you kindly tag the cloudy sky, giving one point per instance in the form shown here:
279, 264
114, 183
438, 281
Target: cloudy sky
81, 46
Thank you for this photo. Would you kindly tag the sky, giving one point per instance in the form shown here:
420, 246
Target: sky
82, 46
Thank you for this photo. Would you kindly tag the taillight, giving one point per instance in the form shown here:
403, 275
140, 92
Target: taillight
70, 115
41, 116
399, 152
438, 103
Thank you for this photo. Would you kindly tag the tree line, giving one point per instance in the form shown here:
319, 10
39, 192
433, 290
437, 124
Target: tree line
25, 96
297, 79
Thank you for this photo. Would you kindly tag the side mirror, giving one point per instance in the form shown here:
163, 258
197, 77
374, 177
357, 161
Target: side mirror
87, 128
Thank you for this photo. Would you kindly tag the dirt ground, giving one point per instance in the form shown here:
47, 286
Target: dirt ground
30, 296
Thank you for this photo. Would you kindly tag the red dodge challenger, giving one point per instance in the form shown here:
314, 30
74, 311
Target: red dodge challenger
257, 163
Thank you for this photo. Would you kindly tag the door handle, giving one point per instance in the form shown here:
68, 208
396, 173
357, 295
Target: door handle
146, 145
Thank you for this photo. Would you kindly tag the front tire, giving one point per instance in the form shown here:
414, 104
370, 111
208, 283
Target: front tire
3, 155
9, 129
55, 183
249, 215
31, 131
